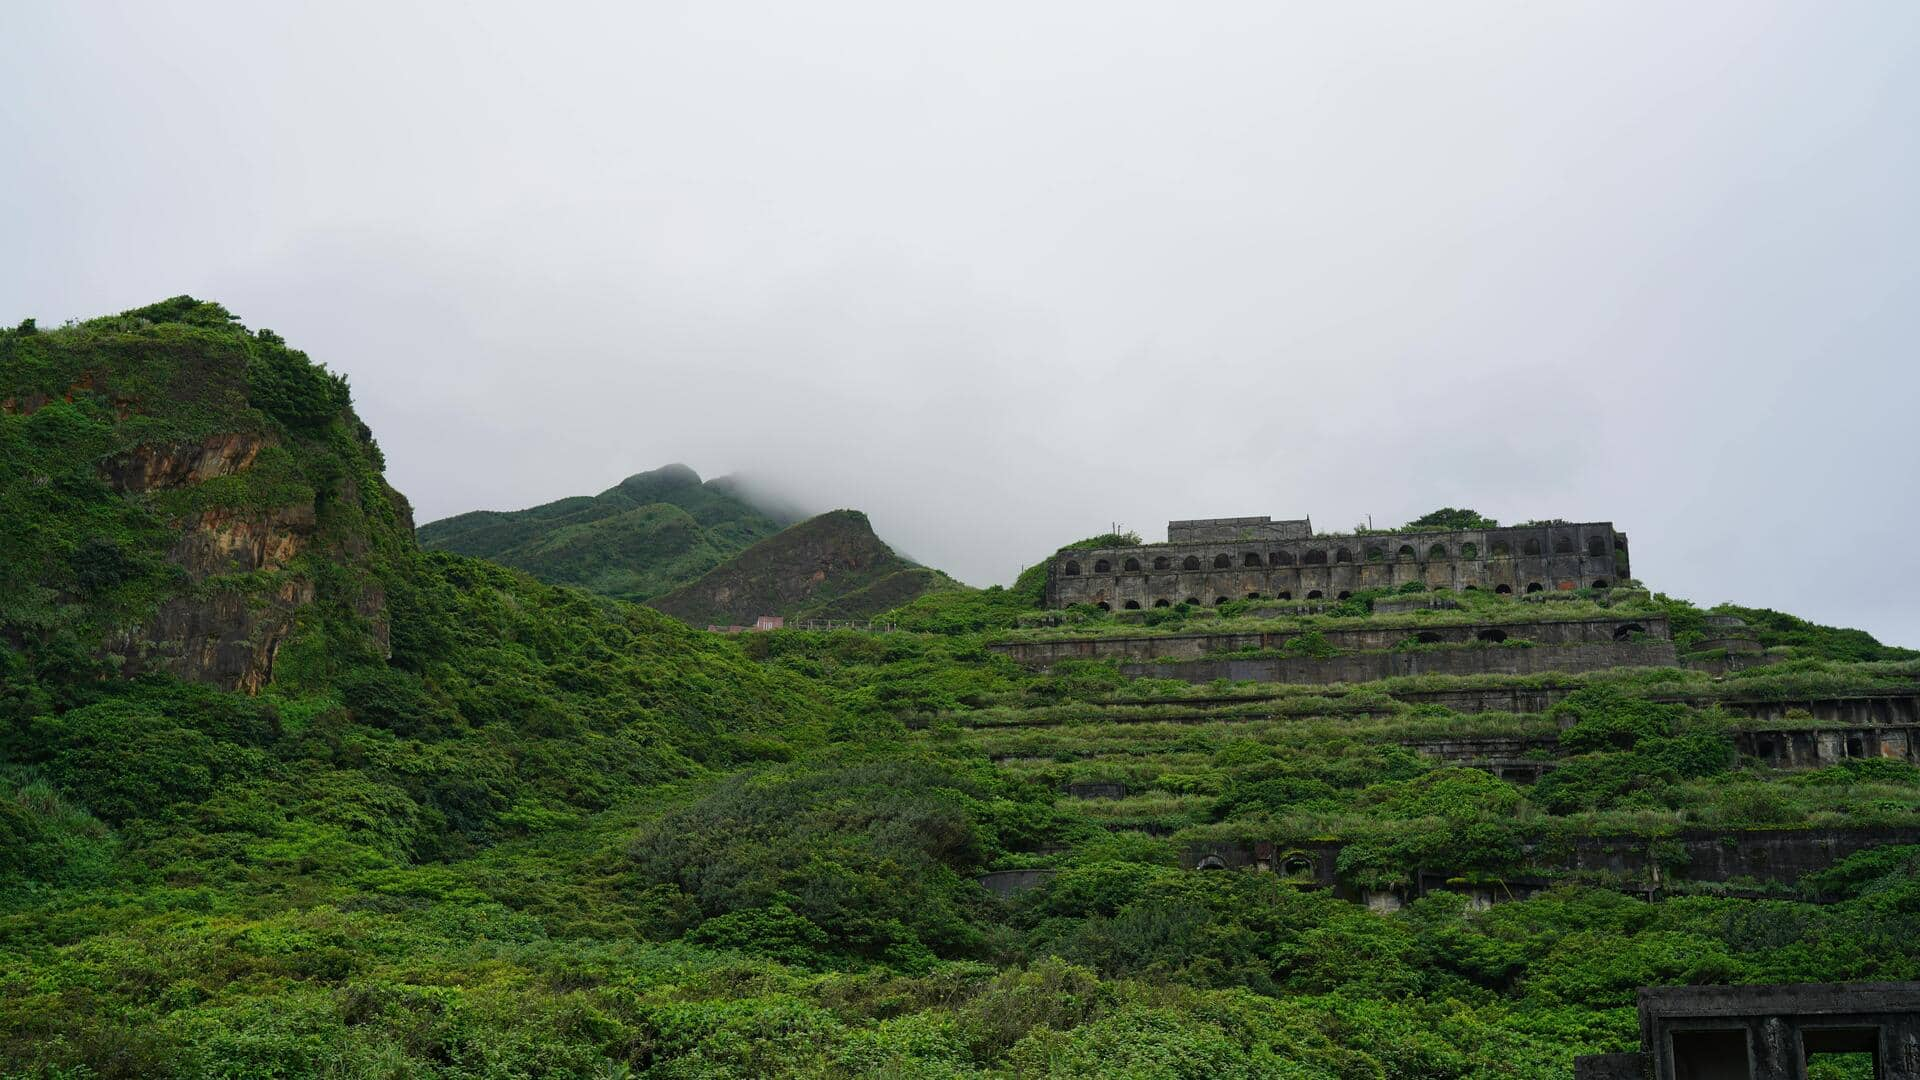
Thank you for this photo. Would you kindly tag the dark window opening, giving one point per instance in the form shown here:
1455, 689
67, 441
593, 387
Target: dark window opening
1131, 605
1439, 588
1192, 562
1406, 552
1298, 865
1191, 601
1493, 634
1104, 606
1280, 558
1856, 747
1102, 566
1252, 558
1501, 550
1342, 595
1253, 596
1316, 595
1163, 602
1374, 554
1502, 589
1563, 545
1711, 1055
1532, 547
1284, 595
1599, 583
1073, 569
1219, 600
1473, 588
1626, 632
1764, 747
1221, 562
1343, 555
1427, 637
1211, 862
1469, 551
1437, 551
1316, 557
1131, 564
1161, 562
1597, 546
1534, 586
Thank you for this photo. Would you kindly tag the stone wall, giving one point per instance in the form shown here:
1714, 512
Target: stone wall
1368, 666
1517, 560
1199, 646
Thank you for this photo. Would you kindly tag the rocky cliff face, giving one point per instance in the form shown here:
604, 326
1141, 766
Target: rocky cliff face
202, 495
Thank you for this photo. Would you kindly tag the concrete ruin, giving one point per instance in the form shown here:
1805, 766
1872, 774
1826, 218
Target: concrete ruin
1363, 667
1770, 1032
1197, 646
1215, 560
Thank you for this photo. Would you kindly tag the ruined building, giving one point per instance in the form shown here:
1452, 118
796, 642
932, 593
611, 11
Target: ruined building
1214, 560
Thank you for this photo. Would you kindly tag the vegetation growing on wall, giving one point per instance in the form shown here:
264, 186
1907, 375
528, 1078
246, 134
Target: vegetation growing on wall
476, 825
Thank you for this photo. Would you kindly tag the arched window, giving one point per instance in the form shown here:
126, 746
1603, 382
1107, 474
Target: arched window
1501, 550
1597, 546
1102, 566
1221, 562
1406, 552
1163, 602
1191, 601
1563, 545
1599, 583
1503, 589
1316, 595
1437, 551
1469, 550
1375, 554
1161, 562
1280, 558
1131, 564
1437, 588
1104, 606
1211, 862
1531, 547
1073, 569
1253, 596
1316, 557
1251, 558
1284, 594
1343, 555
1191, 562
1218, 600
1297, 866
1534, 586
1427, 637
1625, 633
1131, 605
1495, 635
1473, 588
1343, 594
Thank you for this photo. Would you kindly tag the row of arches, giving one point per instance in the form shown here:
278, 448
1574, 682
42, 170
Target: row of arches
1318, 594
1500, 549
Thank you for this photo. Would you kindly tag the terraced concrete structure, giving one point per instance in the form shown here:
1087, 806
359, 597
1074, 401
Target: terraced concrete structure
1770, 1032
1215, 560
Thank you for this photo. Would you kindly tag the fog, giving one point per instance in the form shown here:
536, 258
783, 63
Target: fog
1003, 275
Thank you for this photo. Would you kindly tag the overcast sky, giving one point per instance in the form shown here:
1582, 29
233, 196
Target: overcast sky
1003, 274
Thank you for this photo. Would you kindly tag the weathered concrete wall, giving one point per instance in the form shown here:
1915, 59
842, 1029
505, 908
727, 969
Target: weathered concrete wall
1006, 883
1812, 748
1519, 560
1237, 530
1200, 646
1706, 856
1767, 1032
1366, 667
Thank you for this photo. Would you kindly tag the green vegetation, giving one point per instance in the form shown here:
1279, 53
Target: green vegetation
474, 825
831, 567
645, 536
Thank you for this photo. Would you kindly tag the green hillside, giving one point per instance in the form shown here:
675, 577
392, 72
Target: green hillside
644, 536
828, 567
284, 795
